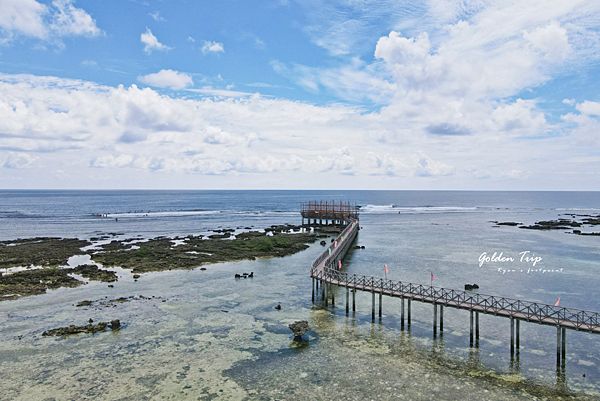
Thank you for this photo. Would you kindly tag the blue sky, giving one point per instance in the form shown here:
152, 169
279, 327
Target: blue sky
300, 94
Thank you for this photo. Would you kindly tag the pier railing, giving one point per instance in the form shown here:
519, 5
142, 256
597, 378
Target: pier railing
333, 252
536, 312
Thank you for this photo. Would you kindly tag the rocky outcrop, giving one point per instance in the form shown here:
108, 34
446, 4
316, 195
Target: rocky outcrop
299, 328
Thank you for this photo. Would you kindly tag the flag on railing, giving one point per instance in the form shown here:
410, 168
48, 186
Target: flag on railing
335, 244
329, 249
340, 264
556, 304
432, 278
386, 271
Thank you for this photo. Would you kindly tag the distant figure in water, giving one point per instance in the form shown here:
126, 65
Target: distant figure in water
116, 219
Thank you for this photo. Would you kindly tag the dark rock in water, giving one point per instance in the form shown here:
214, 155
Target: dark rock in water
299, 328
332, 240
323, 243
90, 321
238, 276
84, 303
251, 274
475, 287
278, 307
508, 223
357, 247
136, 276
362, 247
468, 287
72, 329
576, 231
203, 268
115, 324
111, 286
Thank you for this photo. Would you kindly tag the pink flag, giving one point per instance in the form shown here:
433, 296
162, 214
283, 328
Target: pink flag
556, 304
386, 269
432, 277
335, 244
340, 264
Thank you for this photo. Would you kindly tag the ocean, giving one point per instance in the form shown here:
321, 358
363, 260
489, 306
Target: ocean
217, 337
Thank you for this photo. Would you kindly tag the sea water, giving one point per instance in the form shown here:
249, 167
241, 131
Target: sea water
215, 336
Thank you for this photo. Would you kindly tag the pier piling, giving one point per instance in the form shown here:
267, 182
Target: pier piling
402, 313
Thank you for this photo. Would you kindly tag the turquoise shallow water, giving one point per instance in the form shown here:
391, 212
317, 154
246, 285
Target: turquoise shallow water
215, 336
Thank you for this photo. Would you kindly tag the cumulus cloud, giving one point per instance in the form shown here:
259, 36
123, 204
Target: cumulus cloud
33, 19
552, 40
17, 160
212, 47
168, 79
151, 42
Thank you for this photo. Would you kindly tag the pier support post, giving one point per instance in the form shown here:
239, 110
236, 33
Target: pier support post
347, 301
441, 319
401, 313
332, 289
326, 294
558, 344
564, 347
512, 336
477, 329
471, 331
518, 336
408, 320
354, 300
380, 299
313, 290
373, 305
434, 320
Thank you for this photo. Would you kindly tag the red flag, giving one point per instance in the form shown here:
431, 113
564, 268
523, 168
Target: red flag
556, 304
386, 269
432, 277
340, 264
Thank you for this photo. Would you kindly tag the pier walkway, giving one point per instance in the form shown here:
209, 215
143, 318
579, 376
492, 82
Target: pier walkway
326, 272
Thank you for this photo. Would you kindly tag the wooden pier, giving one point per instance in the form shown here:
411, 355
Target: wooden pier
328, 212
327, 274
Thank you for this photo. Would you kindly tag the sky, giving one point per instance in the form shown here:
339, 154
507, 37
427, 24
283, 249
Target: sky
300, 94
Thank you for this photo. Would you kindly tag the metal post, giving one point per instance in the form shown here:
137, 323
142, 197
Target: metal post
434, 319
441, 319
512, 335
558, 346
354, 300
471, 332
347, 300
408, 320
313, 290
564, 347
380, 298
326, 293
402, 313
373, 305
332, 295
477, 329
518, 335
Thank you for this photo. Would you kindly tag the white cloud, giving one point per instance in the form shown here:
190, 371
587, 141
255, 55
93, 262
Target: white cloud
89, 63
23, 16
69, 20
168, 79
151, 42
156, 16
552, 40
589, 108
190, 39
33, 19
212, 47
570, 102
18, 160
